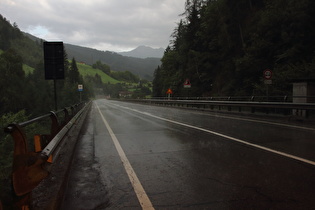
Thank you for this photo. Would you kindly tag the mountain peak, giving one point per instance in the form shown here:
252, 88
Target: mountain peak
144, 52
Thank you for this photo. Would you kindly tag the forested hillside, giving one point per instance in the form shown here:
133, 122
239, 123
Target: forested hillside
144, 52
224, 46
143, 67
22, 83
31, 92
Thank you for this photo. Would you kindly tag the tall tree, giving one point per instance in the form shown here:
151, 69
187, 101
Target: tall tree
11, 82
223, 46
74, 75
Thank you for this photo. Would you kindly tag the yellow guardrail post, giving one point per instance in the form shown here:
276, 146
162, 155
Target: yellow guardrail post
27, 169
28, 166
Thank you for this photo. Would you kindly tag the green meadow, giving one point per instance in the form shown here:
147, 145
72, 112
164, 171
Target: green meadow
86, 70
27, 69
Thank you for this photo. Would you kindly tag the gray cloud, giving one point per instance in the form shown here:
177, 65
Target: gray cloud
103, 24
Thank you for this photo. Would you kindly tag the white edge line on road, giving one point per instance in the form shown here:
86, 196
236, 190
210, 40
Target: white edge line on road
139, 190
225, 136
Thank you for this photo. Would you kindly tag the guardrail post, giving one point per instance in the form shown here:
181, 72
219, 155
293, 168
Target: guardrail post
306, 113
72, 111
67, 116
19, 137
54, 124
26, 170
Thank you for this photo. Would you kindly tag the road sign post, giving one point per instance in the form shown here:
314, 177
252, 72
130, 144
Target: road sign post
169, 92
187, 83
267, 74
267, 80
80, 89
187, 86
54, 64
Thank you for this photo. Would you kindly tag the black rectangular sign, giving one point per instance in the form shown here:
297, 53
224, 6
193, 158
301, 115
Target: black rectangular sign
54, 60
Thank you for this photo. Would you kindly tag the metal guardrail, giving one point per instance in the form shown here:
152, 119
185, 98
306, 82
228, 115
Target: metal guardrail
286, 108
28, 166
283, 98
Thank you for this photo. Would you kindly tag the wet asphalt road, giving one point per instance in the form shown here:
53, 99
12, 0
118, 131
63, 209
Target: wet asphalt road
189, 160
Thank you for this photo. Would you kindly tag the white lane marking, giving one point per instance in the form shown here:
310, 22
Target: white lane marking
265, 122
139, 190
224, 136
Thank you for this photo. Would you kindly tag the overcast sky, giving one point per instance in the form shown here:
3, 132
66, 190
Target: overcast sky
114, 25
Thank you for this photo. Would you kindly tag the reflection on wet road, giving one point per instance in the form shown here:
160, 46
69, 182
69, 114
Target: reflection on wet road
165, 158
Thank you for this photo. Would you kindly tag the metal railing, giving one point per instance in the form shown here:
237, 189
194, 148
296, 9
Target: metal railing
283, 98
285, 108
28, 165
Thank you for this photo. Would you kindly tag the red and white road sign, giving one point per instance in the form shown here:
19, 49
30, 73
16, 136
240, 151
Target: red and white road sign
267, 74
187, 84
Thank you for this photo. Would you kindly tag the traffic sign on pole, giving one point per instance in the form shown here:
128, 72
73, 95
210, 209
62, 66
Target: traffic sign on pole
169, 91
54, 60
187, 84
267, 74
80, 88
